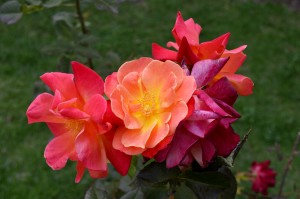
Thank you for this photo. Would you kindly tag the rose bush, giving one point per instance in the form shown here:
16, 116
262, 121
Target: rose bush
174, 110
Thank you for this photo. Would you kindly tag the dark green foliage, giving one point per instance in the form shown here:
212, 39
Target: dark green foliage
155, 181
156, 173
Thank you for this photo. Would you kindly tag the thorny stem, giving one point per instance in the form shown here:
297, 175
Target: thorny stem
83, 28
288, 165
240, 145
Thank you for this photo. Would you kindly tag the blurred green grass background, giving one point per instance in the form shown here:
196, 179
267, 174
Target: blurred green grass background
270, 30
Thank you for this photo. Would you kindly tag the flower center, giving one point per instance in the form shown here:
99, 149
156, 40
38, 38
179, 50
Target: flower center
74, 126
147, 102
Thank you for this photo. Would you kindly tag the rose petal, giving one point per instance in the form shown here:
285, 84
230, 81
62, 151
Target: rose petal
74, 113
116, 105
211, 104
110, 117
132, 84
179, 112
117, 144
70, 103
243, 85
187, 88
39, 110
58, 128
87, 81
186, 53
188, 29
181, 142
163, 54
187, 160
132, 122
157, 135
203, 152
213, 49
204, 71
224, 140
137, 137
222, 90
110, 84
118, 159
90, 150
58, 150
200, 127
96, 107
151, 152
159, 80
80, 168
130, 66
264, 177
62, 82
98, 174
236, 59
202, 115
173, 45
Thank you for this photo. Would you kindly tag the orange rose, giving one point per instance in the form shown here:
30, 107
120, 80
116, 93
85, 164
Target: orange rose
151, 98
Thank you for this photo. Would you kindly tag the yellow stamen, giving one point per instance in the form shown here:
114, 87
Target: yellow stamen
148, 103
74, 126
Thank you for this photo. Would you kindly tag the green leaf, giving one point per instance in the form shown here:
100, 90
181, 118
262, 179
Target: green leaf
63, 30
28, 9
10, 12
184, 192
52, 3
208, 191
34, 2
87, 39
107, 188
203, 191
224, 161
133, 194
211, 178
94, 193
64, 24
157, 173
58, 48
86, 52
64, 16
229, 192
104, 5
125, 184
158, 192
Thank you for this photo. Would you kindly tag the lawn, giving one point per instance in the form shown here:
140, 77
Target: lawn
271, 32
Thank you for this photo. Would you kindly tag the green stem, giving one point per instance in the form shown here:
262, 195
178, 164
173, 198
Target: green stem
288, 165
83, 28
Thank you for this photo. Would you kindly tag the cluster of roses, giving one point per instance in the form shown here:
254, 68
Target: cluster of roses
176, 107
